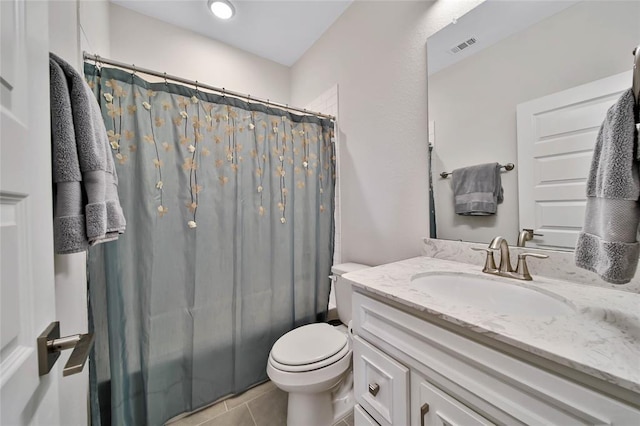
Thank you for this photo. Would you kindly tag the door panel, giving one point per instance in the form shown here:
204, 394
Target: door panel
27, 292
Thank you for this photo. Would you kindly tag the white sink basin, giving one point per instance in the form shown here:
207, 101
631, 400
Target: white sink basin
489, 294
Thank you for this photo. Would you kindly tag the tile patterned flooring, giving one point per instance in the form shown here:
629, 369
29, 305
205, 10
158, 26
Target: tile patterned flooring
262, 405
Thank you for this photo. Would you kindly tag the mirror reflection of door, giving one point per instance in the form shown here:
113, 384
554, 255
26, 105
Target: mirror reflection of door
556, 136
520, 52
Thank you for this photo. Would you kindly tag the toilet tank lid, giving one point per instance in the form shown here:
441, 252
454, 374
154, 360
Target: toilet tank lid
344, 268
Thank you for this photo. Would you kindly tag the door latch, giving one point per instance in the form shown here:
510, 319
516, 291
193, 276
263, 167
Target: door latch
50, 344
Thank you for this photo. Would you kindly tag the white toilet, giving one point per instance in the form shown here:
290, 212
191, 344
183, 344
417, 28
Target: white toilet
313, 364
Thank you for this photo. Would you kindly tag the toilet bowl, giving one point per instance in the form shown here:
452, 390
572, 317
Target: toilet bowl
313, 364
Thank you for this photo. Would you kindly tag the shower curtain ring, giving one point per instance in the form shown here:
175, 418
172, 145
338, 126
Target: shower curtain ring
224, 93
196, 86
165, 79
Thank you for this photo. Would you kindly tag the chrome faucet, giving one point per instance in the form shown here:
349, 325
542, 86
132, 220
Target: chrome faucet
504, 269
500, 243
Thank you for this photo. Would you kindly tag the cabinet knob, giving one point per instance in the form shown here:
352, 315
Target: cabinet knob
374, 388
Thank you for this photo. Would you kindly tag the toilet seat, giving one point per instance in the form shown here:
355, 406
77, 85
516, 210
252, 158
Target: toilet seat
308, 348
313, 366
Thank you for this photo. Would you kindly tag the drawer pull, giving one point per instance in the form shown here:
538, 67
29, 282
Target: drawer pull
374, 388
424, 409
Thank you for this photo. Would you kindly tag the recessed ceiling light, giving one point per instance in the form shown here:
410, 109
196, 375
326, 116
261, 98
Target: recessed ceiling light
223, 9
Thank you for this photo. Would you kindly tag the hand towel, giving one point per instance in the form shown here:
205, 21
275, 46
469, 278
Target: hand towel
608, 242
87, 209
477, 190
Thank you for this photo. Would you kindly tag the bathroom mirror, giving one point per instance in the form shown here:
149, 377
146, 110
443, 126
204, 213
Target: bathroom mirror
504, 54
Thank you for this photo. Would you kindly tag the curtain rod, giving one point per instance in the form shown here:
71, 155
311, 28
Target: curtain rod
100, 60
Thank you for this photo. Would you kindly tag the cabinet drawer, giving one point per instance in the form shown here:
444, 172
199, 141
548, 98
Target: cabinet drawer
361, 418
381, 384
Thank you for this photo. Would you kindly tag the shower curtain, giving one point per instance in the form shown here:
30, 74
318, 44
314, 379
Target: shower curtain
229, 241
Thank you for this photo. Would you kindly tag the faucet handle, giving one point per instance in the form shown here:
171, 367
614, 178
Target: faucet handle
522, 270
482, 249
490, 263
539, 256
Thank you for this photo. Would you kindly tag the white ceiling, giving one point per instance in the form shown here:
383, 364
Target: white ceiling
277, 30
490, 22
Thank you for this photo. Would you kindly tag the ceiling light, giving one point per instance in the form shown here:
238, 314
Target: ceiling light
223, 9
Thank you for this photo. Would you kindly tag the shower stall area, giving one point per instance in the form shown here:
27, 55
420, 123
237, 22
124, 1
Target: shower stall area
229, 203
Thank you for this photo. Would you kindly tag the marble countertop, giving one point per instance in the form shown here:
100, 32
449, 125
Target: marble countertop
600, 337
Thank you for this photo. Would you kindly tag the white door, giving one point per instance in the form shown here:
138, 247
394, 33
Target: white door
27, 293
556, 137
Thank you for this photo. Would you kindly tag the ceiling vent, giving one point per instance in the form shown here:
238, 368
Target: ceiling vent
460, 47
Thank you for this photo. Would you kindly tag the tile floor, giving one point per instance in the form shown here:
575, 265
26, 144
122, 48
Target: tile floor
263, 405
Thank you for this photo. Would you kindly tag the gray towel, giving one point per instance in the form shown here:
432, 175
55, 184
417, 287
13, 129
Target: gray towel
87, 210
477, 190
608, 242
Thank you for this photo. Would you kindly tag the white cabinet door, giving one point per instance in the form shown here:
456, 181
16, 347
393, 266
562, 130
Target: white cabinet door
436, 408
556, 137
27, 292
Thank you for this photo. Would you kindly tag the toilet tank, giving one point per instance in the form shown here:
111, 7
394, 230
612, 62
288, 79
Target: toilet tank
343, 289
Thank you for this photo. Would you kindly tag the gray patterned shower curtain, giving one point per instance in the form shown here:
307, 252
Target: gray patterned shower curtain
229, 242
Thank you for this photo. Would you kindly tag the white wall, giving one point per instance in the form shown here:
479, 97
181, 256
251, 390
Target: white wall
473, 102
150, 43
94, 26
376, 54
75, 26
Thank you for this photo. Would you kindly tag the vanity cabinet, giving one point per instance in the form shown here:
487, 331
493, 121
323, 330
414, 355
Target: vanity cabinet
409, 370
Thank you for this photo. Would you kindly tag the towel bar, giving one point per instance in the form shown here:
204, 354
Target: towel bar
508, 167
